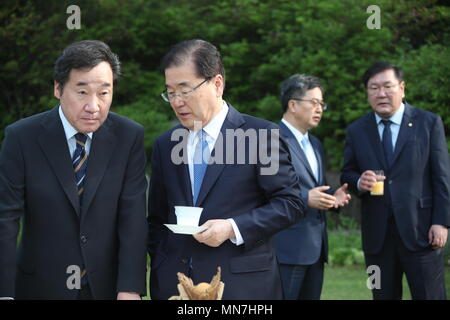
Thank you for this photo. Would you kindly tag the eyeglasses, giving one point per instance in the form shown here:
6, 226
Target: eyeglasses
315, 102
388, 88
184, 94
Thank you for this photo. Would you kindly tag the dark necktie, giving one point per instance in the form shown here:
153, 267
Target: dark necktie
79, 161
387, 142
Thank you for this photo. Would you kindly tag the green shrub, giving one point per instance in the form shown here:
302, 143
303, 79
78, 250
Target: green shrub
262, 43
345, 247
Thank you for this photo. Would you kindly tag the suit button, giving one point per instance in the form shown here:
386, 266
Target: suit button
390, 182
83, 239
185, 260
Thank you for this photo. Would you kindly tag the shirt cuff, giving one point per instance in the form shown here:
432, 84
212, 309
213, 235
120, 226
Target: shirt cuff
361, 191
357, 186
238, 240
6, 298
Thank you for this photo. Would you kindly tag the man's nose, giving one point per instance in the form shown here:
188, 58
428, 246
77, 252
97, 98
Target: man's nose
92, 105
381, 92
177, 101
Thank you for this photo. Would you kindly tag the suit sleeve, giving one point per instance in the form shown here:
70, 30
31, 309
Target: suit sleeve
12, 186
350, 172
281, 188
440, 171
131, 225
157, 203
330, 191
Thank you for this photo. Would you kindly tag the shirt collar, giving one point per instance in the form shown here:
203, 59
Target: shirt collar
69, 130
297, 133
212, 129
396, 117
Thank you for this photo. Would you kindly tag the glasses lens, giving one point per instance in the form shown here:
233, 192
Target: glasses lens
165, 97
318, 103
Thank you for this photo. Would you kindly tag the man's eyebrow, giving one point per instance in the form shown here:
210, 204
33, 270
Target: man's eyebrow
180, 84
81, 83
385, 82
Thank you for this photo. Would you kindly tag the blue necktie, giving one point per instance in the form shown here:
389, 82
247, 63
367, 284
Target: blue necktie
309, 153
79, 161
387, 142
201, 156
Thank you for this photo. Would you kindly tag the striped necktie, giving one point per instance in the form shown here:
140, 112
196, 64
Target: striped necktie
79, 162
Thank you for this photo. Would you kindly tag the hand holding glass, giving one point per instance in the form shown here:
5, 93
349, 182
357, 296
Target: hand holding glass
378, 188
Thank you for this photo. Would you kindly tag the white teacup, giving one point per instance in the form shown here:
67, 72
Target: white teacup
188, 216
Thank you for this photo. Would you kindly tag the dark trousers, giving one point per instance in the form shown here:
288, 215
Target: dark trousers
302, 282
85, 293
424, 269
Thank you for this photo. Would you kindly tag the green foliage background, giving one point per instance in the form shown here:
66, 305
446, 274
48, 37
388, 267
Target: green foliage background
262, 43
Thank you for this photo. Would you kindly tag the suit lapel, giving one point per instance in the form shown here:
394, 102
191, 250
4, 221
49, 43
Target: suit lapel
102, 147
315, 145
295, 146
183, 168
54, 145
405, 132
374, 139
233, 121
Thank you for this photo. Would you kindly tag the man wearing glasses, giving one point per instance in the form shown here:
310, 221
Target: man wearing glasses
302, 249
242, 207
404, 230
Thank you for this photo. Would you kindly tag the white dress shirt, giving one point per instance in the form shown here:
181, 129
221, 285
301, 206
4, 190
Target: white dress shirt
212, 130
305, 144
396, 121
70, 132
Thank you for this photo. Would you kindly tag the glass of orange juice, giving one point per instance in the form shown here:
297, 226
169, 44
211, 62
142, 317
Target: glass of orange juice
378, 188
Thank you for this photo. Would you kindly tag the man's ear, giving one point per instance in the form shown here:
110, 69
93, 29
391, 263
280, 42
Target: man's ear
219, 84
57, 90
291, 106
402, 87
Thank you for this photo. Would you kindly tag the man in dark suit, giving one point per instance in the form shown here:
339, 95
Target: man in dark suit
245, 199
302, 249
75, 175
404, 230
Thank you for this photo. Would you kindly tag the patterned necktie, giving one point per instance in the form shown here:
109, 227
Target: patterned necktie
201, 156
387, 142
79, 161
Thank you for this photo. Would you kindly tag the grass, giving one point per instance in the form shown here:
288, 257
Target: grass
345, 276
349, 283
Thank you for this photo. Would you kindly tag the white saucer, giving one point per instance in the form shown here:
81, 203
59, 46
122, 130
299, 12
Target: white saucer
180, 229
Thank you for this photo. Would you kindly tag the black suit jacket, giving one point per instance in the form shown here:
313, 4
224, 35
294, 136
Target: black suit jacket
107, 235
417, 185
261, 205
301, 243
